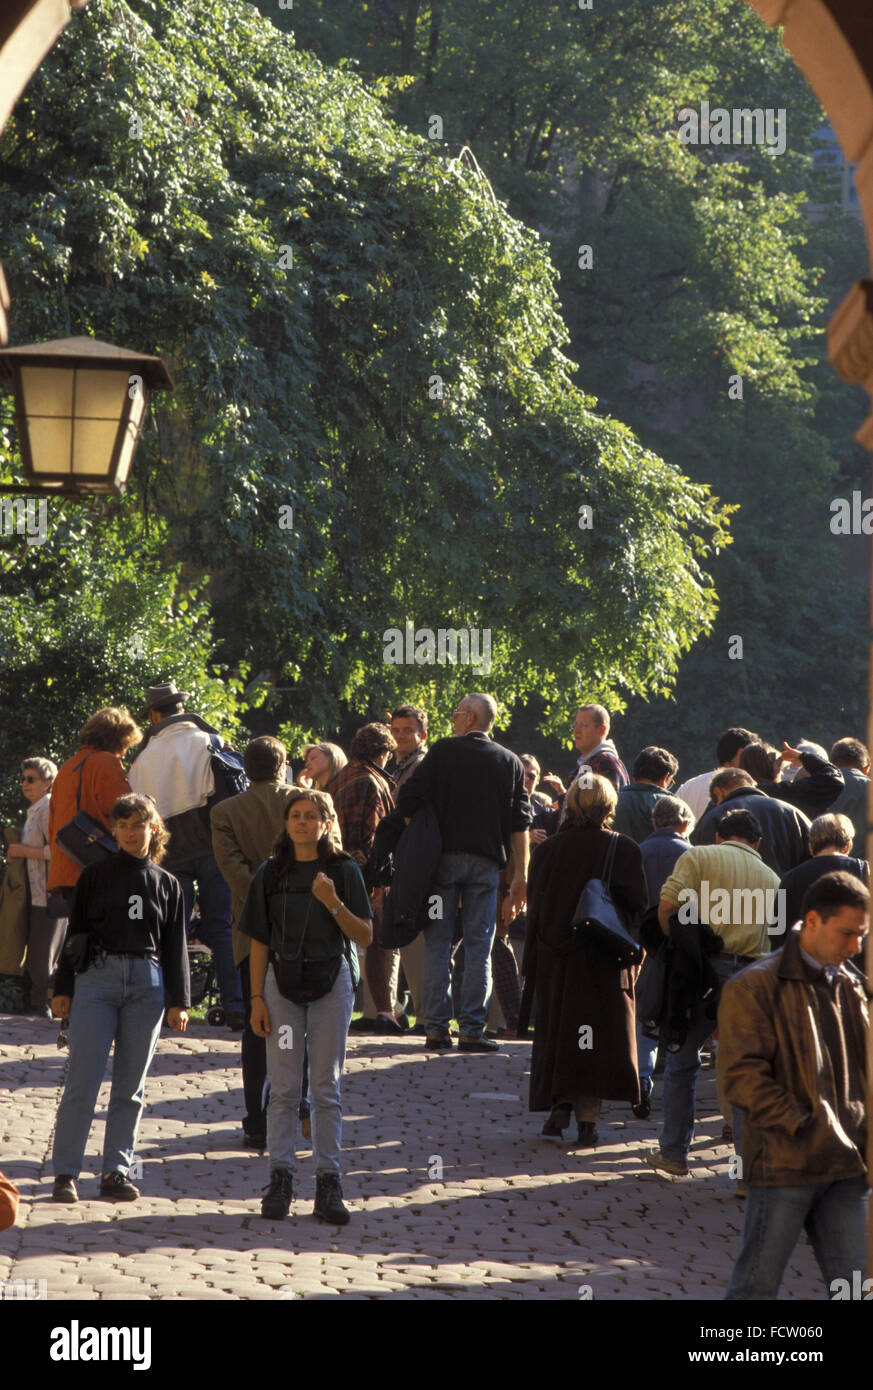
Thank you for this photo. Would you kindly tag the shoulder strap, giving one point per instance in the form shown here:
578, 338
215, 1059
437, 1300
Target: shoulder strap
81, 775
610, 858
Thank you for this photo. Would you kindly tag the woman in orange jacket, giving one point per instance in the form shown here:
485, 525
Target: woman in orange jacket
96, 774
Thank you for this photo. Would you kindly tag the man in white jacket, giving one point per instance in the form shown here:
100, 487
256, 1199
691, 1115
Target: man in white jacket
174, 767
695, 792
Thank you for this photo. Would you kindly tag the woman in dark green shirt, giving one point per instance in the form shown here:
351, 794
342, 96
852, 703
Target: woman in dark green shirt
306, 911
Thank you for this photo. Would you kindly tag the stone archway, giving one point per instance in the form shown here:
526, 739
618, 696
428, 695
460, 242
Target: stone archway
832, 43
28, 29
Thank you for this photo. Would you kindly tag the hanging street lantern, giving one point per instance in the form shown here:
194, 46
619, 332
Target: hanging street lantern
79, 410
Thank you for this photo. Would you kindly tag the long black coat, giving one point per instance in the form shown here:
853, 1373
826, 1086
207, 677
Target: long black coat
580, 985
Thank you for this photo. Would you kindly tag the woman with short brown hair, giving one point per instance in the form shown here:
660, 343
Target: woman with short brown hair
111, 730
91, 781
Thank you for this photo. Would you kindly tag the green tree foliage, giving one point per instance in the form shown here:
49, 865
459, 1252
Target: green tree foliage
361, 334
705, 267
87, 621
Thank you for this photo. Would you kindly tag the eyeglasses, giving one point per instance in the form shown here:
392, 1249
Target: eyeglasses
30, 778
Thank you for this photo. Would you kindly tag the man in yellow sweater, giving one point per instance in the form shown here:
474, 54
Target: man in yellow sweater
729, 888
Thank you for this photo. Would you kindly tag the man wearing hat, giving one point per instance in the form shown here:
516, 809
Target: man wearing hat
174, 767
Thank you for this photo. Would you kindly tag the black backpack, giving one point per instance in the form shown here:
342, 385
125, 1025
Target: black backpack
227, 771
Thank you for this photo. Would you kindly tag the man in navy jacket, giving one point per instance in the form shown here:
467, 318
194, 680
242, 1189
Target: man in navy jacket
785, 829
477, 789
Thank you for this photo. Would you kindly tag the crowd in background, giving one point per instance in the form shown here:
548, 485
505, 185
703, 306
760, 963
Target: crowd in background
413, 874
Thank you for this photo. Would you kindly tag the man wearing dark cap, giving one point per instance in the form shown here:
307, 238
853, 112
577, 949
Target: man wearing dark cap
724, 886
174, 767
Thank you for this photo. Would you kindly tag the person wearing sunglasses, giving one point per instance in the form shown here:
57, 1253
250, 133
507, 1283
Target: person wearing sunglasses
45, 934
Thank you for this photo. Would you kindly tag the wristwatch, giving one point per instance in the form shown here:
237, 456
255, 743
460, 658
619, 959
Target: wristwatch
336, 910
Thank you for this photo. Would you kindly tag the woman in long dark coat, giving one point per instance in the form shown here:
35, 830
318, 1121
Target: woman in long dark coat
578, 987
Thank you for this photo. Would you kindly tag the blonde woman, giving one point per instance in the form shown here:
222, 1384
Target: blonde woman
321, 763
128, 919
578, 985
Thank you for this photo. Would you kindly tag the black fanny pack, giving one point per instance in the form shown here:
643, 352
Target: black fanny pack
303, 981
299, 980
77, 952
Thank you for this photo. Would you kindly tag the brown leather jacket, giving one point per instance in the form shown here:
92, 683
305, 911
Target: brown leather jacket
773, 1062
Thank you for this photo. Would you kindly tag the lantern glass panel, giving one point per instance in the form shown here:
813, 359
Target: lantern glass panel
47, 391
50, 444
100, 395
93, 443
128, 443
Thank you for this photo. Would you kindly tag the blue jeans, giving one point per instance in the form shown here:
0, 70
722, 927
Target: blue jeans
474, 880
833, 1216
216, 906
120, 999
647, 1053
679, 1091
323, 1027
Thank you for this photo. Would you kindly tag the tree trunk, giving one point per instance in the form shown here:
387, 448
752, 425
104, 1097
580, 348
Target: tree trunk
407, 44
436, 19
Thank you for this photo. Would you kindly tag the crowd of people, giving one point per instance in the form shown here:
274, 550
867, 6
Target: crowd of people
729, 912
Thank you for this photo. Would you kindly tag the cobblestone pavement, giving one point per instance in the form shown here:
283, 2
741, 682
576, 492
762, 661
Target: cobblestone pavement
514, 1216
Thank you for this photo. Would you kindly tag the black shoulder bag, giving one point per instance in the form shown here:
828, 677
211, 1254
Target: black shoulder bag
599, 920
83, 838
302, 981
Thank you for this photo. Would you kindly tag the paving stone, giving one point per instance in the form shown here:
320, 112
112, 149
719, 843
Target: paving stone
514, 1216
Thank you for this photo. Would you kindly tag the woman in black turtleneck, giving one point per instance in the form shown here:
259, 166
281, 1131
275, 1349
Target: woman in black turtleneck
132, 912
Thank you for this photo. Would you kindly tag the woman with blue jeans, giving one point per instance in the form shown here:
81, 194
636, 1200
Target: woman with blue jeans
307, 909
129, 915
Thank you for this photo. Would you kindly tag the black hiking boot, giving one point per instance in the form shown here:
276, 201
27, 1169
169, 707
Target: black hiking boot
276, 1201
329, 1200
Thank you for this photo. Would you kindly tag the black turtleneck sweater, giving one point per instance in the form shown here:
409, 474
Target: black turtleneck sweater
131, 906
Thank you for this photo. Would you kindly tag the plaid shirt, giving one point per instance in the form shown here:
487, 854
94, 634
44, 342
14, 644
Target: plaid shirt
362, 796
402, 771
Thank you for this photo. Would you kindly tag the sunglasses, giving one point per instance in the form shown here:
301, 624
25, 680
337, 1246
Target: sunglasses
30, 778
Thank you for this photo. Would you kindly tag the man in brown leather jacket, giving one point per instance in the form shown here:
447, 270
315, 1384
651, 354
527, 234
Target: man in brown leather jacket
792, 1036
